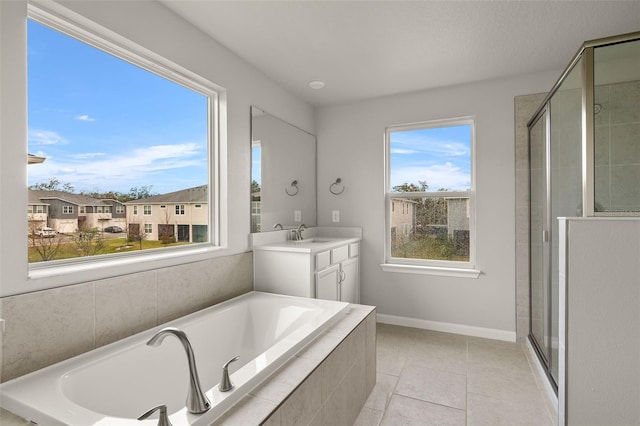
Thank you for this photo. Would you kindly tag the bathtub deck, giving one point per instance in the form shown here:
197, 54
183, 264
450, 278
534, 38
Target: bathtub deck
327, 382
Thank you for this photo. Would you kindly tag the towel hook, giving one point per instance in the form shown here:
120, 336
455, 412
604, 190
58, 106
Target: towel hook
334, 185
294, 184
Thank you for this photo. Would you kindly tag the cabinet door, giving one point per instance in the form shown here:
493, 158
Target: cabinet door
349, 285
327, 283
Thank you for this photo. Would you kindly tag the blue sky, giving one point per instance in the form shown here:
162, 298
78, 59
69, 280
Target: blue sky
441, 156
104, 124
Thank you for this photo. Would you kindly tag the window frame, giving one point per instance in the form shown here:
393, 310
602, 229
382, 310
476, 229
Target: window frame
62, 272
430, 266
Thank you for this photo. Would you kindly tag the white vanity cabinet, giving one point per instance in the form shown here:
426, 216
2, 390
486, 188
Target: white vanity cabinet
325, 269
339, 280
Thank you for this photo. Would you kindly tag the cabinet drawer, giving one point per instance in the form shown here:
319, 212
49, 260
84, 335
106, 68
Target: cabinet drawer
323, 260
339, 254
354, 249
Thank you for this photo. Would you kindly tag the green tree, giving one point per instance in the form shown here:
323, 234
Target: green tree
54, 184
89, 241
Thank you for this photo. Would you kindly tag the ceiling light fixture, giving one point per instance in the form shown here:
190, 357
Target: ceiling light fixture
316, 84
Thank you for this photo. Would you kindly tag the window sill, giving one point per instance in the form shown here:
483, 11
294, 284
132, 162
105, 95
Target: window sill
44, 276
430, 270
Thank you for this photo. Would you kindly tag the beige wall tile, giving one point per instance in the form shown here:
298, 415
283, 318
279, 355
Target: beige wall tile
181, 290
46, 327
301, 407
125, 306
335, 368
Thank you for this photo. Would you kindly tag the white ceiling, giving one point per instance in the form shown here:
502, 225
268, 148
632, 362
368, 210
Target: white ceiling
364, 49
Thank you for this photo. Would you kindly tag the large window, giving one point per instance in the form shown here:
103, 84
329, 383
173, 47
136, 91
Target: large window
114, 125
429, 194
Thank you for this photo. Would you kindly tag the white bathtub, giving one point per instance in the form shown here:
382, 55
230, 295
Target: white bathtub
115, 384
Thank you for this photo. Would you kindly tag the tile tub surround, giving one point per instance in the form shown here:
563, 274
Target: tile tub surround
326, 383
48, 326
427, 377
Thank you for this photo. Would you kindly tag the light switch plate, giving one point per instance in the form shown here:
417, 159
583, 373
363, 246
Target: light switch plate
297, 216
335, 216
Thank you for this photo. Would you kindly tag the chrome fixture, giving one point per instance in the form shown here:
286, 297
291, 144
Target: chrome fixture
333, 187
278, 225
297, 233
197, 402
225, 382
163, 420
294, 185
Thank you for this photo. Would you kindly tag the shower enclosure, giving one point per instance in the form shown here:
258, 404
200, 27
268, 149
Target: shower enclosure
584, 160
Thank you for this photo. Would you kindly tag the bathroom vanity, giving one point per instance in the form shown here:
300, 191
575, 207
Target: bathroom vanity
325, 267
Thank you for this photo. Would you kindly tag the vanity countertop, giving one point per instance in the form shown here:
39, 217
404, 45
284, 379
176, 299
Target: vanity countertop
309, 245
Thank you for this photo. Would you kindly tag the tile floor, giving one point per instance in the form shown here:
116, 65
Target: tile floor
431, 378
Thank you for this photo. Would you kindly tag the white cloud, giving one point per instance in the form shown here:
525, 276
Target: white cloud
437, 176
89, 155
122, 170
84, 118
402, 151
45, 137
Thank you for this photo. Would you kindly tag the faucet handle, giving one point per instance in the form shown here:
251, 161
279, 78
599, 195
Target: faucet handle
163, 420
225, 382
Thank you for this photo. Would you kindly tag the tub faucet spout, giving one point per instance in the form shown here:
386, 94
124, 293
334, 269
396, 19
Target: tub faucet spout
197, 402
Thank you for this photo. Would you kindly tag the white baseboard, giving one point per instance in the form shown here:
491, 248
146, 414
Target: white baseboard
467, 330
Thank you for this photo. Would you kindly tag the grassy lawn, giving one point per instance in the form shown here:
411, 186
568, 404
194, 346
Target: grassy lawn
426, 247
68, 250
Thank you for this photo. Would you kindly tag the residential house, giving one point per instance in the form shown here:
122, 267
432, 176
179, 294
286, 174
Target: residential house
180, 215
403, 216
66, 212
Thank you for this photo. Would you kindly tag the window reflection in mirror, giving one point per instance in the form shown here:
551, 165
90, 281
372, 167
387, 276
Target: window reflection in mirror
281, 154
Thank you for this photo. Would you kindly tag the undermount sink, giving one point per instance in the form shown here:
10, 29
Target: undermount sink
313, 241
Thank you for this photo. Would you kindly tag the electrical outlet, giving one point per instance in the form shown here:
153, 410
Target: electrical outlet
335, 216
297, 216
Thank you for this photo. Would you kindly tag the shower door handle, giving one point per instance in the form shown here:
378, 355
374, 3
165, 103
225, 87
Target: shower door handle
545, 236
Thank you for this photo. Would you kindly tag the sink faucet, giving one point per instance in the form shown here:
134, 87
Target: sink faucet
298, 232
197, 401
278, 225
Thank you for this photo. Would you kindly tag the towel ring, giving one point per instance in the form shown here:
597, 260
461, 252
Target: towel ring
335, 185
294, 184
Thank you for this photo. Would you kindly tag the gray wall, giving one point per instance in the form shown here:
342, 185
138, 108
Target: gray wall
350, 146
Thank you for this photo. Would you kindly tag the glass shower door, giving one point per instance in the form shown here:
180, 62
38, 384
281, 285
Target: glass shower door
539, 238
556, 191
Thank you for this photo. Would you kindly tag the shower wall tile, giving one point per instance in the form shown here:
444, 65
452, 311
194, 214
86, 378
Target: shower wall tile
625, 187
625, 143
602, 190
123, 309
601, 149
601, 97
624, 99
45, 327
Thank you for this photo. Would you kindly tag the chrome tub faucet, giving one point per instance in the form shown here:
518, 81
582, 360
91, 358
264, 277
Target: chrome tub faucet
197, 402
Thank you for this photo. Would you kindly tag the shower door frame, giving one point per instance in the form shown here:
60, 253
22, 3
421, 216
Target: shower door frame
543, 354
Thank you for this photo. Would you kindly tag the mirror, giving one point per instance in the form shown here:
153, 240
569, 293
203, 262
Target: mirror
283, 174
